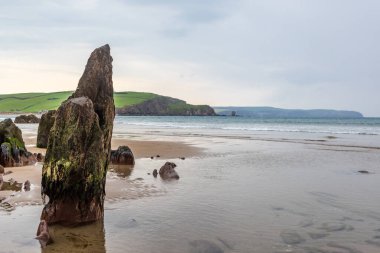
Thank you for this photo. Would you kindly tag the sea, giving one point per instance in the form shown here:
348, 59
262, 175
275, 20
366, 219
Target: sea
251, 125
259, 186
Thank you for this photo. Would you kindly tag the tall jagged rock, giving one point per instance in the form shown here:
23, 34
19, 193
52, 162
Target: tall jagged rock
77, 157
12, 147
46, 123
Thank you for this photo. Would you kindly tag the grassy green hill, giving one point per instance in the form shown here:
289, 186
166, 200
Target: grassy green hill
36, 102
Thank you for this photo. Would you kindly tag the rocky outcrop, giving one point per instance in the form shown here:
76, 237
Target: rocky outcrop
166, 106
122, 156
46, 123
27, 185
27, 119
40, 157
12, 147
77, 156
1, 169
43, 235
168, 172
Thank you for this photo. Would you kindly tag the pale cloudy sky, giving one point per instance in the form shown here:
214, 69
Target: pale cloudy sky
284, 53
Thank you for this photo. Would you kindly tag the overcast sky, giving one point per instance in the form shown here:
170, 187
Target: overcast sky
283, 53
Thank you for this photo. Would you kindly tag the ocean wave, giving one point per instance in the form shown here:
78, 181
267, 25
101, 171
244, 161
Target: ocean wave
294, 128
300, 130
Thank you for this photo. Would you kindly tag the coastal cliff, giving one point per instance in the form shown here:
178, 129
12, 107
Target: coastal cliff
166, 106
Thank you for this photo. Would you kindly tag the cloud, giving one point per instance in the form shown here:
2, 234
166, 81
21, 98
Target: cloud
291, 53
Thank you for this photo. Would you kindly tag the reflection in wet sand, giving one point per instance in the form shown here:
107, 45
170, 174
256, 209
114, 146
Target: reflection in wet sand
121, 170
11, 186
88, 238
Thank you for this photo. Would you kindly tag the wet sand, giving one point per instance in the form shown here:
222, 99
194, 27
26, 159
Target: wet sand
268, 193
119, 186
140, 148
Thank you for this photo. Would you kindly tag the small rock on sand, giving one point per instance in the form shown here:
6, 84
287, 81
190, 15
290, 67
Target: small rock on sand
27, 185
167, 171
363, 171
155, 172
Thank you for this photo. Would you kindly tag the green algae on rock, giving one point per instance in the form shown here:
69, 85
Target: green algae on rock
46, 123
12, 147
77, 157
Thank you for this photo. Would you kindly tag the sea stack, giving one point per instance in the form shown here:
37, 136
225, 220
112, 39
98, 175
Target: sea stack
77, 156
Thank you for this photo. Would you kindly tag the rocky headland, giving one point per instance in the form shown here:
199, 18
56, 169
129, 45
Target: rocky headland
166, 106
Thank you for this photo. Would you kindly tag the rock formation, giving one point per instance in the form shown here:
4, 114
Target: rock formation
27, 119
168, 172
122, 156
40, 157
46, 123
27, 185
43, 234
12, 147
77, 156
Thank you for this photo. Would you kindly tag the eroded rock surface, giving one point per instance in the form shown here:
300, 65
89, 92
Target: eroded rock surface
43, 235
27, 119
122, 156
13, 152
77, 157
46, 123
168, 172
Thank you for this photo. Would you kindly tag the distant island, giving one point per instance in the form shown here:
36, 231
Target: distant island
126, 103
271, 112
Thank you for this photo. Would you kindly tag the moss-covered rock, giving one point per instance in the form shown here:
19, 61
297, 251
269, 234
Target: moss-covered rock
122, 156
77, 157
12, 147
46, 123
